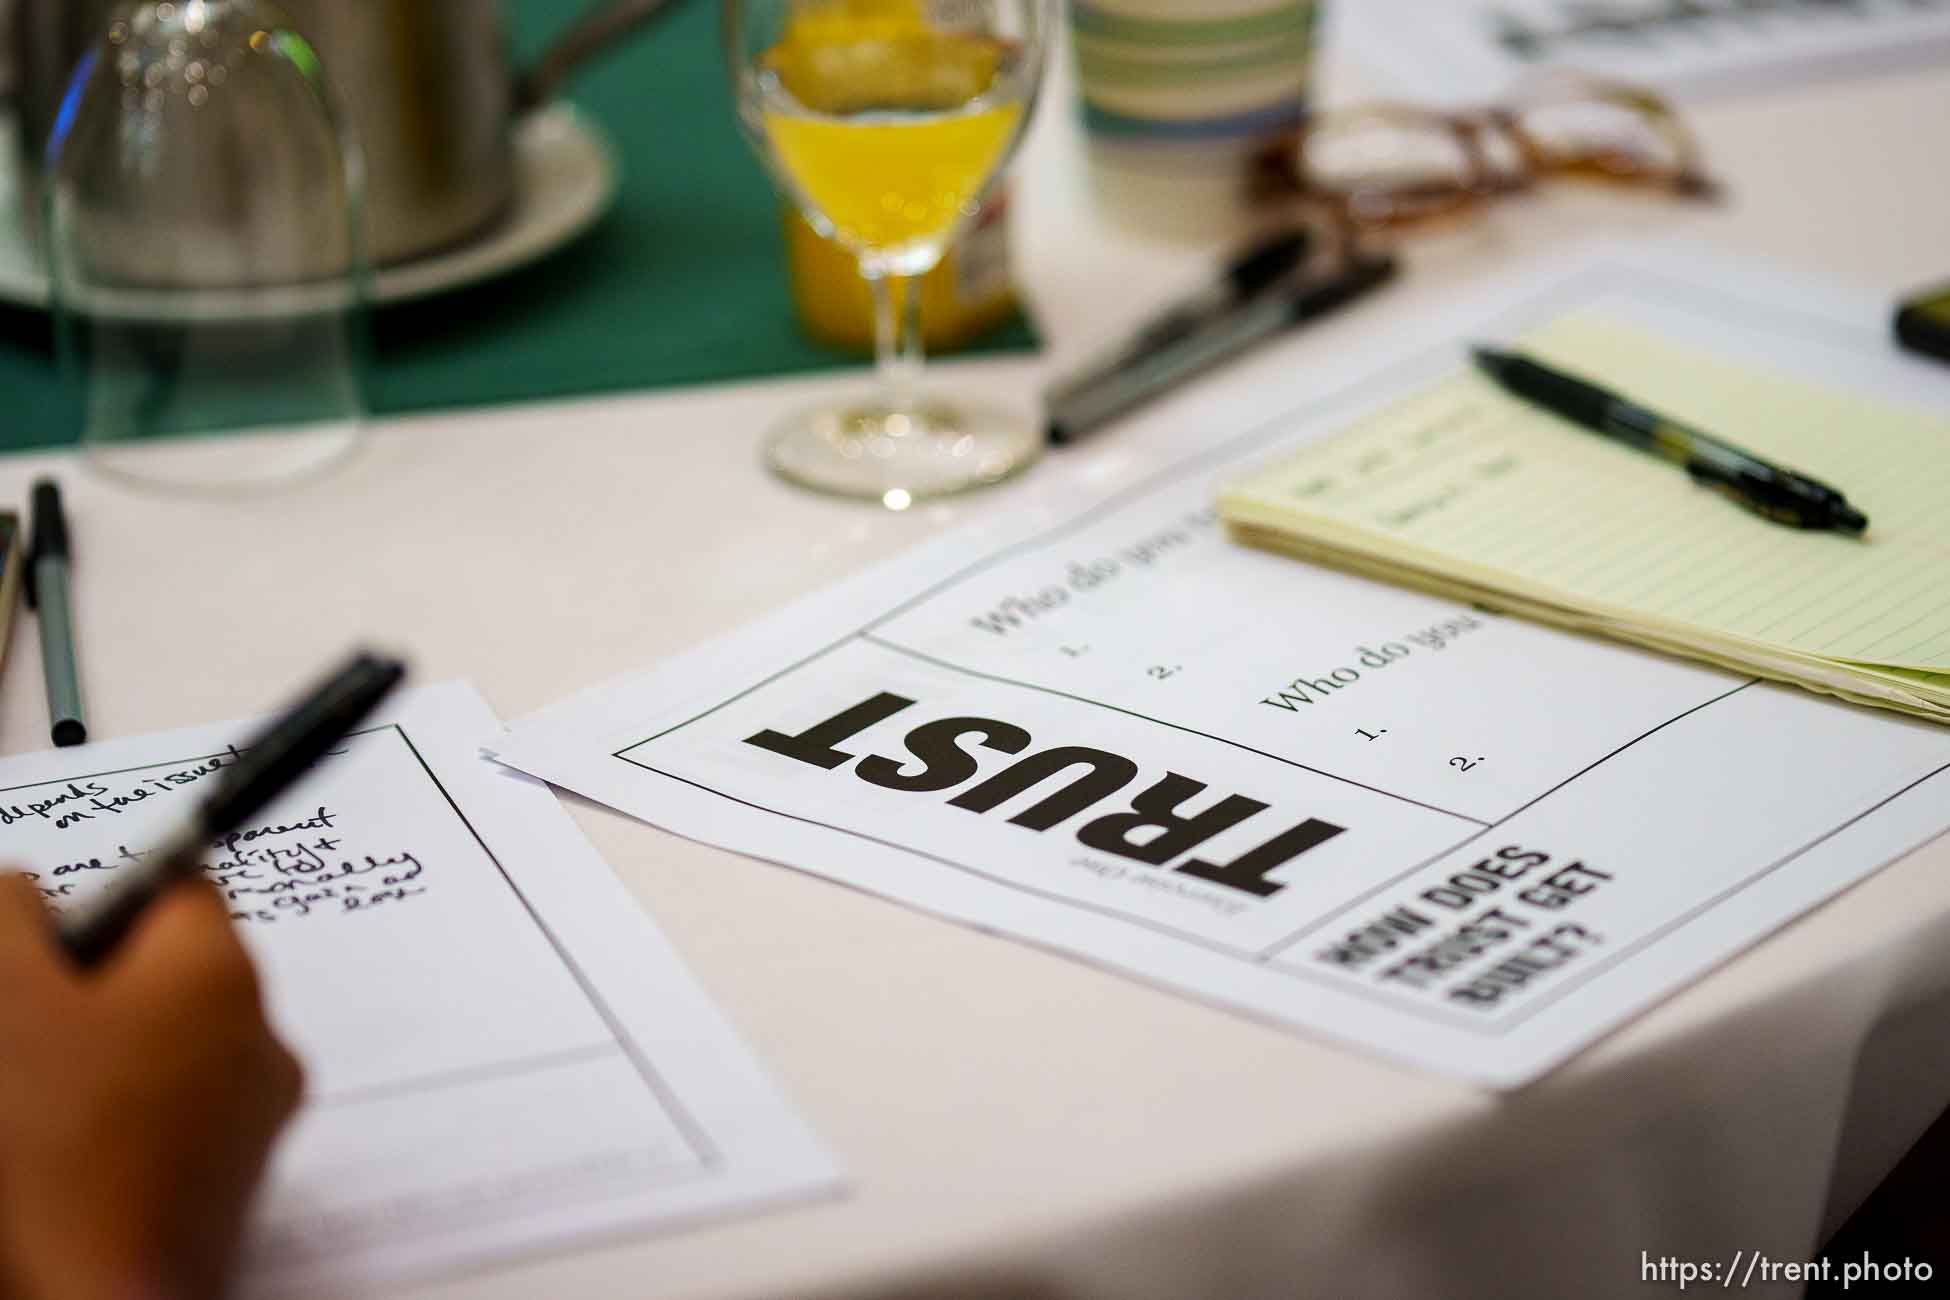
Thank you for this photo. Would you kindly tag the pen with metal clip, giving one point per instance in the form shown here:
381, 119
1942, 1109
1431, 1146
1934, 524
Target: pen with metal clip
1771, 491
1075, 412
1248, 274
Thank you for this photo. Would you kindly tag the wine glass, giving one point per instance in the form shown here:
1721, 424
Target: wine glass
885, 122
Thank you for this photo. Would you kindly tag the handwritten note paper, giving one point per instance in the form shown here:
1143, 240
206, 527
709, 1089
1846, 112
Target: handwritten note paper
446, 954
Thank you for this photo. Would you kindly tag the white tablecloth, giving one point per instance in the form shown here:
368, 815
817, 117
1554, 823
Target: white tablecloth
1019, 1123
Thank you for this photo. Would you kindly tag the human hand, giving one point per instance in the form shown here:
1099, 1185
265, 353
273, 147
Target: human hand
138, 1103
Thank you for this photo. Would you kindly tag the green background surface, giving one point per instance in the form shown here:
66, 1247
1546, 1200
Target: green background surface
683, 282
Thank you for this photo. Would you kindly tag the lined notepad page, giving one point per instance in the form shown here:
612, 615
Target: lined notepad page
1465, 479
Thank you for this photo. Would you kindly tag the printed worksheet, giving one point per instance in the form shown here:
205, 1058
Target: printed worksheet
1474, 50
502, 1051
1458, 840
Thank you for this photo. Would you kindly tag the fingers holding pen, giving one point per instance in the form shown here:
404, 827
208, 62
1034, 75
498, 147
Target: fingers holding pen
31, 959
185, 939
186, 959
139, 1102
21, 904
185, 944
182, 978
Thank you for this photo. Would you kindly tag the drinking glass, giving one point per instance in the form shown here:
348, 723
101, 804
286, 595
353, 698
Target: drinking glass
202, 225
885, 122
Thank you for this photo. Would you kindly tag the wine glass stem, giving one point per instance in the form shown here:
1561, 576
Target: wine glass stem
898, 350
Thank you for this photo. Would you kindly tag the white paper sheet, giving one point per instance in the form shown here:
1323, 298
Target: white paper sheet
1459, 51
1462, 841
502, 1051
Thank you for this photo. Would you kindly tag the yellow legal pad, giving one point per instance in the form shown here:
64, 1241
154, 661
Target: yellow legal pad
1464, 490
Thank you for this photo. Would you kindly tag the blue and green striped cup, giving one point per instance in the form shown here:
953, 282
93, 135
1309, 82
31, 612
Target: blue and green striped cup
1178, 95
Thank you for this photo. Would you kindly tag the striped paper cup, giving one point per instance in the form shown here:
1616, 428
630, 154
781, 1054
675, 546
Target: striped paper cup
1178, 95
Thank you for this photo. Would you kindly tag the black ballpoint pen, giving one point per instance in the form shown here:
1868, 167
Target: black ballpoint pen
263, 770
1768, 490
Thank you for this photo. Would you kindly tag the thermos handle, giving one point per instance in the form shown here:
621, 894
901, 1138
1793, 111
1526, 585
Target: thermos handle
595, 31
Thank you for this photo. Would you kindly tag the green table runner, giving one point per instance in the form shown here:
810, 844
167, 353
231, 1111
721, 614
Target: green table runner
683, 282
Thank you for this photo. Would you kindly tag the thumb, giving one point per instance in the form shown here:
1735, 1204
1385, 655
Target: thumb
185, 943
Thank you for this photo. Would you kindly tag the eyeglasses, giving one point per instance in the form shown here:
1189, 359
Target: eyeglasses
1389, 165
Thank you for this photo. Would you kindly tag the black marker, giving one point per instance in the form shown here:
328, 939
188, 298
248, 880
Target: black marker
1245, 276
1080, 405
264, 770
47, 592
1768, 490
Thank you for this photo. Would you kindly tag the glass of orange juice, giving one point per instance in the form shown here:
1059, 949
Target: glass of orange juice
885, 122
